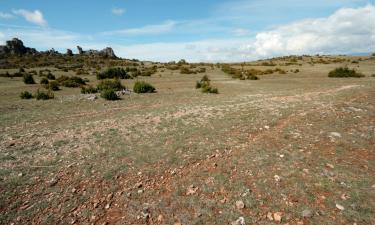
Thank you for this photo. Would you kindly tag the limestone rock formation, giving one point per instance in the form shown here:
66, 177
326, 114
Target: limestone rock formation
16, 47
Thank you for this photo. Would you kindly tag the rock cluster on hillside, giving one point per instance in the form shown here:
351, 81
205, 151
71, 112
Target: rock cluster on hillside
107, 52
16, 47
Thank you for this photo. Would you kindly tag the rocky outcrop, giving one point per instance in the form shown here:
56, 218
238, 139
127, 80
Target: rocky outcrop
107, 52
80, 51
16, 47
69, 52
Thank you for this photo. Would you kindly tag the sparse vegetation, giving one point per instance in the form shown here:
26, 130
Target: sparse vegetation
143, 87
28, 79
53, 85
71, 82
44, 95
111, 73
344, 72
109, 94
44, 81
88, 90
110, 84
205, 85
26, 95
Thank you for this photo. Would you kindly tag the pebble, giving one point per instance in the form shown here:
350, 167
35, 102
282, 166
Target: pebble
191, 190
277, 216
306, 213
340, 207
239, 221
240, 204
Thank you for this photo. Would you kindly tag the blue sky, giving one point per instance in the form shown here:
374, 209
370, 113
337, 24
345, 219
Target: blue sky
205, 30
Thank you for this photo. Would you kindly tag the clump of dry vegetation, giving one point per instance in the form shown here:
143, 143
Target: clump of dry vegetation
143, 87
205, 85
344, 72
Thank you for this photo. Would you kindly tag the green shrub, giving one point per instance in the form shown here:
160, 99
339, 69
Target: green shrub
44, 81
110, 84
252, 77
28, 79
54, 86
88, 90
109, 94
71, 81
111, 73
26, 95
198, 85
209, 89
44, 95
143, 87
205, 85
344, 72
50, 76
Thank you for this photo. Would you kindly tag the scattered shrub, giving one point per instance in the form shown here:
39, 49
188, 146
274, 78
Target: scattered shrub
110, 84
71, 81
209, 89
111, 73
205, 85
143, 87
28, 79
50, 76
44, 81
43, 95
344, 72
26, 95
88, 90
54, 86
185, 70
109, 94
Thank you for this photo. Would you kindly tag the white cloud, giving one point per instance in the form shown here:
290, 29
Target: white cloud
346, 31
149, 29
118, 11
5, 15
35, 16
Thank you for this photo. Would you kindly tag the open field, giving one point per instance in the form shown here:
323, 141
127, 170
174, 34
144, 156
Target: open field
295, 148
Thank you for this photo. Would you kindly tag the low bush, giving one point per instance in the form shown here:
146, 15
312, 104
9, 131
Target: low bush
111, 73
110, 84
344, 72
50, 76
205, 85
28, 79
209, 89
109, 94
143, 87
88, 90
54, 86
44, 95
71, 81
185, 70
26, 95
44, 81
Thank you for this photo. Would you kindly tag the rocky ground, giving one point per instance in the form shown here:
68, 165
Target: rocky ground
287, 149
